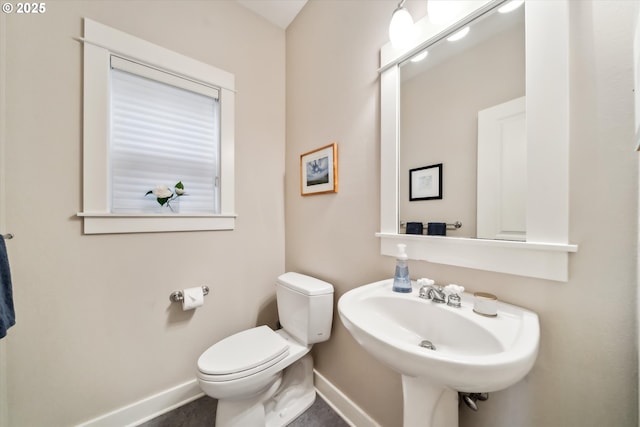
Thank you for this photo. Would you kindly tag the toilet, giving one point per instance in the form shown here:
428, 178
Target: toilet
263, 377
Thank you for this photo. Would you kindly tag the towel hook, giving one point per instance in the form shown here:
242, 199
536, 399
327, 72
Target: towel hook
7, 236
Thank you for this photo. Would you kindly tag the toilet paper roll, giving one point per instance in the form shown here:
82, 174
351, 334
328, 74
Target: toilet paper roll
192, 298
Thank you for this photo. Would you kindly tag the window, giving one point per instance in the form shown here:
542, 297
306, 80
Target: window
154, 117
164, 129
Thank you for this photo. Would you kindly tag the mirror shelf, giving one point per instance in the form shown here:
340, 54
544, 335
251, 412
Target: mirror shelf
540, 260
545, 253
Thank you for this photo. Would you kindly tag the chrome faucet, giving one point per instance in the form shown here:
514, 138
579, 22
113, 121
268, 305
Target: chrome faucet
449, 294
436, 294
428, 290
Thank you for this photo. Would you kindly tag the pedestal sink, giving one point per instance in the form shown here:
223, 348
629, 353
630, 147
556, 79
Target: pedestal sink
473, 353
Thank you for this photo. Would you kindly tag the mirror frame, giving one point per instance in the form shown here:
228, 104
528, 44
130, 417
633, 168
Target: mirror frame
545, 253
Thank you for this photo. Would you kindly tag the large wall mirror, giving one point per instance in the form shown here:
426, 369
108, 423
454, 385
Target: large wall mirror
476, 133
462, 106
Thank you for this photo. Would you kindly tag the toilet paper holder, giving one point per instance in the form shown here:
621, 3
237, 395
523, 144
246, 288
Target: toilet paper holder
178, 296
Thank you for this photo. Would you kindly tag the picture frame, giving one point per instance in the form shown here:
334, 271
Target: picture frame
425, 183
319, 171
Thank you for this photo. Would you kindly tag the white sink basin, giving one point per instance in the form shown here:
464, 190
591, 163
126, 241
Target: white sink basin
473, 353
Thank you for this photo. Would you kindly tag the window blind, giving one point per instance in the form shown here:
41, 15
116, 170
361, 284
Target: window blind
164, 129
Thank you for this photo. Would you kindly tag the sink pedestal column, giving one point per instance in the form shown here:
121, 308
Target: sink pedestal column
428, 405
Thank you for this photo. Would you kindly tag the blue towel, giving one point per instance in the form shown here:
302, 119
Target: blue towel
437, 229
7, 313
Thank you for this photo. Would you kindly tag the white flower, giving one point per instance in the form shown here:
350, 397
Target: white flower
164, 196
162, 192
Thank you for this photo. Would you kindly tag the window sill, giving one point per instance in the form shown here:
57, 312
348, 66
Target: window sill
107, 223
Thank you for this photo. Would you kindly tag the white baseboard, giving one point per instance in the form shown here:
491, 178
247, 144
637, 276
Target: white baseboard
168, 400
339, 402
150, 407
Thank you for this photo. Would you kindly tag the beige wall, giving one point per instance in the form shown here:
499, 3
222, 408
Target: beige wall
586, 373
95, 329
333, 95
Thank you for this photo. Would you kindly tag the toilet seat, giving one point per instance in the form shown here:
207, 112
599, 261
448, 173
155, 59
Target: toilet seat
242, 354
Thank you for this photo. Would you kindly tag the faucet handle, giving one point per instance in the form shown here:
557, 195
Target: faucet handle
454, 289
423, 292
454, 292
453, 300
425, 284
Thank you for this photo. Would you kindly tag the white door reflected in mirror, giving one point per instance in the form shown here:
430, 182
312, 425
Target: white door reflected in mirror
502, 172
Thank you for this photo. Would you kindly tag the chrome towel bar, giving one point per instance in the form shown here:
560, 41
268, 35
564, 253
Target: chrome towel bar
453, 226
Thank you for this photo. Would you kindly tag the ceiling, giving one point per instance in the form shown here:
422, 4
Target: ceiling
278, 12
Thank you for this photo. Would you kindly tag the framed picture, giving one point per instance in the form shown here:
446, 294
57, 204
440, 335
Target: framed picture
425, 183
319, 171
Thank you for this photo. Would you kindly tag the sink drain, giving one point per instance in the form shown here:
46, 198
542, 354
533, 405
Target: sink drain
427, 344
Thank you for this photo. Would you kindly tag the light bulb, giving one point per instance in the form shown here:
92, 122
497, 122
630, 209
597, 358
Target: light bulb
460, 34
401, 30
419, 57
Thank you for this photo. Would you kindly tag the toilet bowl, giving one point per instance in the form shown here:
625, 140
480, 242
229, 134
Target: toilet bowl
263, 377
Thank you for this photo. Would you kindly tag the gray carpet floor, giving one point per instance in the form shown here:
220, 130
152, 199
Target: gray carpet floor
202, 413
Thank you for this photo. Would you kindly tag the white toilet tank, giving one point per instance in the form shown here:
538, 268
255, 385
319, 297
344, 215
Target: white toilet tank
305, 307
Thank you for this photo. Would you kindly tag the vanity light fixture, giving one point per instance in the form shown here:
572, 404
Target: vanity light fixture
511, 6
401, 29
459, 35
419, 57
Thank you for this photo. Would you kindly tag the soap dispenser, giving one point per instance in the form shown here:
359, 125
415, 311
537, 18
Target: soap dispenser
401, 280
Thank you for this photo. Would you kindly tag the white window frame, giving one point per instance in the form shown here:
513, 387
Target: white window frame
100, 42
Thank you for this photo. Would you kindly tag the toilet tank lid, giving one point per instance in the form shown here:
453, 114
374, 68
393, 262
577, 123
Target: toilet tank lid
306, 285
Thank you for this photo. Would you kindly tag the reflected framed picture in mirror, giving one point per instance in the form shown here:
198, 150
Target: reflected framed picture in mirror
425, 183
319, 171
